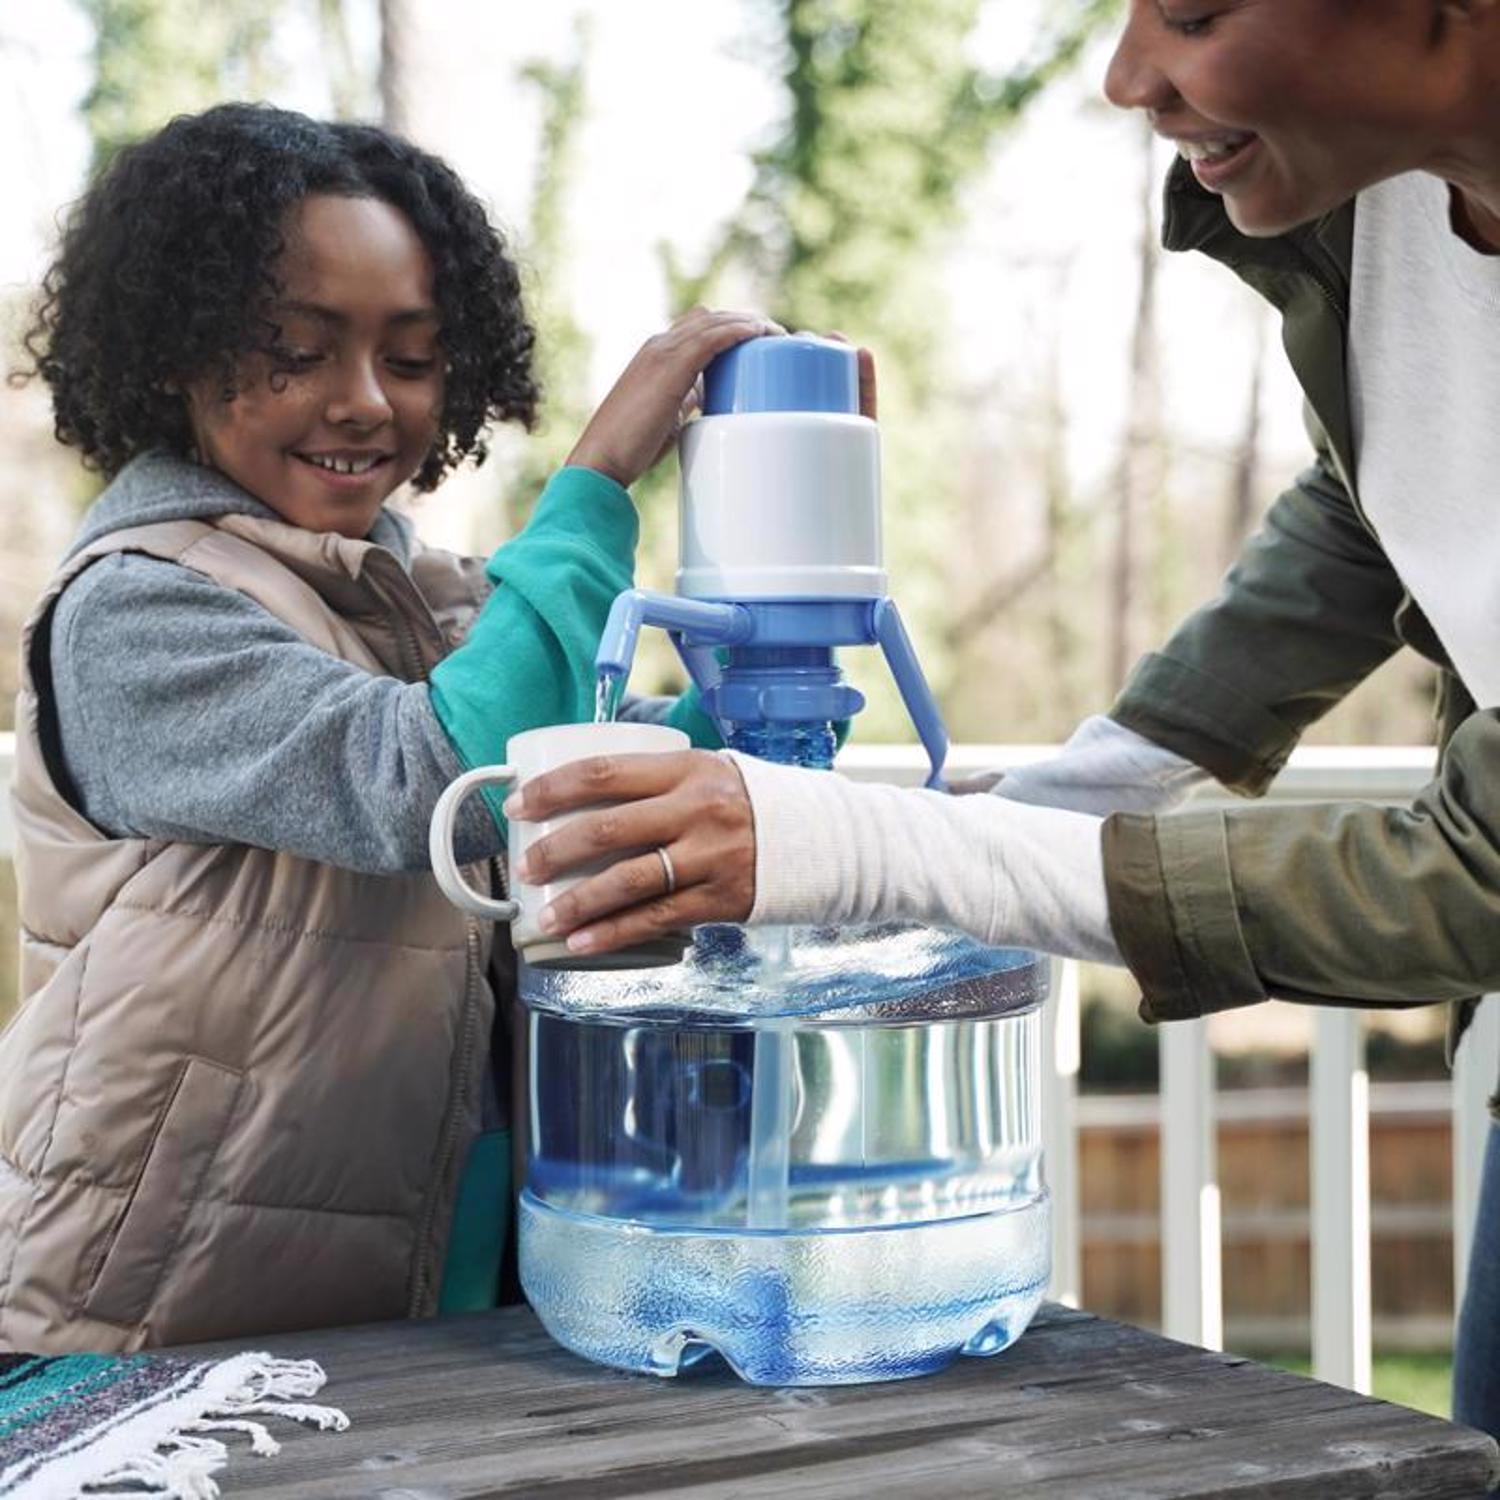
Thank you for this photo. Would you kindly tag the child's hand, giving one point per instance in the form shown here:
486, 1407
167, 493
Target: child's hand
867, 397
640, 418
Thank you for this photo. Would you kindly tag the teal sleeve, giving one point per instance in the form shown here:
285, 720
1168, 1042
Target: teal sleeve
481, 1220
529, 657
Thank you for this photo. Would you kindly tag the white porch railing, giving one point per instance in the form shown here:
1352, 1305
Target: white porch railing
1339, 1104
1192, 1302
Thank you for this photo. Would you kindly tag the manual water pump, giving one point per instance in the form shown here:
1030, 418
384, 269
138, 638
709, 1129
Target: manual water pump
781, 558
814, 1152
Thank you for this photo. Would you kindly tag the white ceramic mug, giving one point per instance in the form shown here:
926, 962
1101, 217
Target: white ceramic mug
528, 755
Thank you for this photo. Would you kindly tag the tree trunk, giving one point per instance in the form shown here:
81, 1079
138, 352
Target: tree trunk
1140, 472
343, 73
398, 22
1246, 467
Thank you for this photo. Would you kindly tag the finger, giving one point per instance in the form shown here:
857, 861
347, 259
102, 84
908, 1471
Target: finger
702, 320
868, 403
715, 337
867, 397
627, 883
596, 835
598, 778
675, 913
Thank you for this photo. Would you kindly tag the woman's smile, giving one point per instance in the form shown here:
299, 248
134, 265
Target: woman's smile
1217, 159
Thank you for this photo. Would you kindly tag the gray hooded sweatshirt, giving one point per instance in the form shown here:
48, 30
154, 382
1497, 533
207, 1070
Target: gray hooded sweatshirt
187, 712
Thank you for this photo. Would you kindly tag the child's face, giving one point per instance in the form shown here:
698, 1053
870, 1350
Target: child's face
356, 384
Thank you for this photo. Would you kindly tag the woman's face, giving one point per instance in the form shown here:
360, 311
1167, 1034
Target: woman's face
347, 407
1289, 107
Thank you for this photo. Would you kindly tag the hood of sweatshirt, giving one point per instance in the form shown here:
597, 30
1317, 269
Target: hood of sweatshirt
159, 487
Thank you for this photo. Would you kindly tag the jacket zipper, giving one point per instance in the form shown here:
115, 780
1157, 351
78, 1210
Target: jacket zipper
420, 1304
1329, 292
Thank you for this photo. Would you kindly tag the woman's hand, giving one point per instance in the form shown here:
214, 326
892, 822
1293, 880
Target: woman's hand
638, 421
692, 804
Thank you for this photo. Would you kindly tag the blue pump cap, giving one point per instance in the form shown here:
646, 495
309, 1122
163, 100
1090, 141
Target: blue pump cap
783, 372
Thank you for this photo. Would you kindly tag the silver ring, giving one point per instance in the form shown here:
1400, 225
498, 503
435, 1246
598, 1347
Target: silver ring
666, 869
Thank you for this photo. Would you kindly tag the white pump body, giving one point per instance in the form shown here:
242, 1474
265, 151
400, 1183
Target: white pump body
781, 505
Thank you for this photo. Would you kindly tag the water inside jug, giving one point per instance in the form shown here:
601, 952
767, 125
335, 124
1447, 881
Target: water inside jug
815, 1152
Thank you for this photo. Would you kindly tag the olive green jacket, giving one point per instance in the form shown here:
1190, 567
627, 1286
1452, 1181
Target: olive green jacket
1333, 903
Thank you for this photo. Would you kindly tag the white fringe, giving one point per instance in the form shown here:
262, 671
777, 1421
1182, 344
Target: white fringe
158, 1449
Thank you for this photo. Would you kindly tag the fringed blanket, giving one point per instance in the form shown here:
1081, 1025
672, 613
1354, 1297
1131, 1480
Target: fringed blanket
100, 1425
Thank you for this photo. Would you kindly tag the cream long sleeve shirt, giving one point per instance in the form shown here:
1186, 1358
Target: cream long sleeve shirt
1021, 867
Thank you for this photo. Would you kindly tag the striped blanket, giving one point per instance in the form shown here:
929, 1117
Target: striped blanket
99, 1424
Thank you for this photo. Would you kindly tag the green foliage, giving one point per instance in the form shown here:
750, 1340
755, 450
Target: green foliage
562, 346
887, 123
1119, 1050
154, 59
1422, 1380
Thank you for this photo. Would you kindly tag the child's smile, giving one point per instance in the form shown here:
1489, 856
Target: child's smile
344, 406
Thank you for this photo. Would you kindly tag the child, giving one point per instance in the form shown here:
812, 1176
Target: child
256, 1081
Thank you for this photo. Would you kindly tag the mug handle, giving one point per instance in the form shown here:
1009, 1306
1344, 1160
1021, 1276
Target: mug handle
440, 844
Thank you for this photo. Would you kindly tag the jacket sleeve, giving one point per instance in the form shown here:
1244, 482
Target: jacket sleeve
528, 659
1335, 902
187, 712
1304, 616
1338, 902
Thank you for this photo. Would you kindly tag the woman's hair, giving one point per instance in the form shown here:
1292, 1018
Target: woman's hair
167, 272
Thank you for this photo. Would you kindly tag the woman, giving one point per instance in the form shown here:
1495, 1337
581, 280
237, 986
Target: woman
1343, 158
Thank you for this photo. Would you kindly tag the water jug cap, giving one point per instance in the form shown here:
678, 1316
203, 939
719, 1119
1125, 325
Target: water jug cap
783, 372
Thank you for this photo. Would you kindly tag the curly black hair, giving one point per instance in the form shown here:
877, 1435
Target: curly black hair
167, 270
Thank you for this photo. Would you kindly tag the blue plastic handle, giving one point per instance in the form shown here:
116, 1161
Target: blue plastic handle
915, 694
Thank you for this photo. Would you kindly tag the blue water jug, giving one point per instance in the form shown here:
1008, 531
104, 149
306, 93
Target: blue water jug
813, 1152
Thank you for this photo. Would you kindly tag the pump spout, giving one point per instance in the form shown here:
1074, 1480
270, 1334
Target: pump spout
695, 626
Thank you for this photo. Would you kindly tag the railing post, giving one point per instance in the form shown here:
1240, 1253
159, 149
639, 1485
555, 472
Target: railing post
1340, 1129
1061, 1048
1192, 1301
1475, 1072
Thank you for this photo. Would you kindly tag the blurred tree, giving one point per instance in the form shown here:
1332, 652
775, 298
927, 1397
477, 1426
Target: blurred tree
348, 83
1245, 470
154, 59
888, 121
1140, 479
562, 346
398, 21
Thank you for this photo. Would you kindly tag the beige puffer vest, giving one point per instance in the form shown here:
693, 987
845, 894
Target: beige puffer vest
241, 1085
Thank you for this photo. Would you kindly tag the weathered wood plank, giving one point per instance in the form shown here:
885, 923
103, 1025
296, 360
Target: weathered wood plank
488, 1406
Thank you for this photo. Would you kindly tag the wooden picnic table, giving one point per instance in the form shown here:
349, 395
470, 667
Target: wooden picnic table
488, 1405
